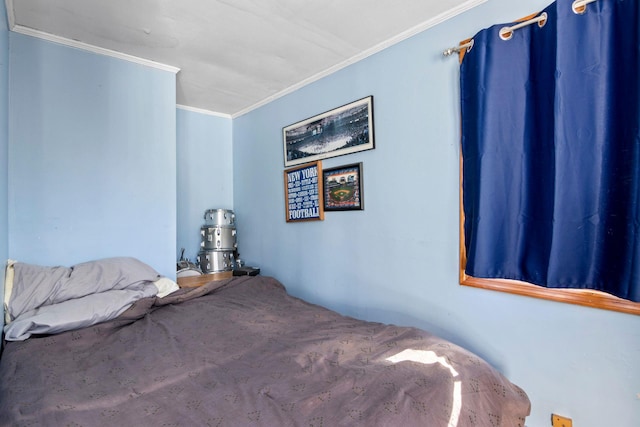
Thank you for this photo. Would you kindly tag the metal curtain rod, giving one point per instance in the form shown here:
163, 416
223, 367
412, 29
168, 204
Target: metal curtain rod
468, 45
578, 7
507, 32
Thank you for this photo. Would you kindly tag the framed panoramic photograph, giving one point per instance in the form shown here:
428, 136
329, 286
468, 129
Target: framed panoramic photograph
303, 192
343, 188
343, 130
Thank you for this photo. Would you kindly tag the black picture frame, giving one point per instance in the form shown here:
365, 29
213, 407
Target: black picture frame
343, 188
342, 130
303, 194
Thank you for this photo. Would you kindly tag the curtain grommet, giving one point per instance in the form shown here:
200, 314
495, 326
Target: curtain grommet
542, 19
579, 7
470, 46
506, 33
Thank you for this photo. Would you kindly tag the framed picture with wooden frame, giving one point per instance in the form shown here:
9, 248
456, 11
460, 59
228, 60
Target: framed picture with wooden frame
343, 188
303, 195
343, 130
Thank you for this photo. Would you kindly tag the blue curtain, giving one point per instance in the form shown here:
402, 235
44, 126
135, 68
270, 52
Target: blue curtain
551, 150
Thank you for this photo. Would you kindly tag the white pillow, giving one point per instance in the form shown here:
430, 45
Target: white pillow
165, 286
8, 288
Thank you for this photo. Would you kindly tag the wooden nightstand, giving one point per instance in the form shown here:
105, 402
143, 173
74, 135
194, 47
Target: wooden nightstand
195, 281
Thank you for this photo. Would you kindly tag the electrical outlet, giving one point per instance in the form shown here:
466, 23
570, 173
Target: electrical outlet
558, 421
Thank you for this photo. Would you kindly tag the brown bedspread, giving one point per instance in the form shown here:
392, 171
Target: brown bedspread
248, 354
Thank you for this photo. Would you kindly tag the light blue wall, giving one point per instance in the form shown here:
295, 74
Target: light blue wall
205, 177
397, 261
4, 147
92, 157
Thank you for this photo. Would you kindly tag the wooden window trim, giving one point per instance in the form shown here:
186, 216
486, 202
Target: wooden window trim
588, 298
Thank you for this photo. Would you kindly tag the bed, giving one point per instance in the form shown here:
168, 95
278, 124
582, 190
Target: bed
234, 352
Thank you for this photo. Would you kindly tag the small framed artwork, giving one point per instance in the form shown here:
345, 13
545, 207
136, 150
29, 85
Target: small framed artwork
343, 188
303, 192
343, 130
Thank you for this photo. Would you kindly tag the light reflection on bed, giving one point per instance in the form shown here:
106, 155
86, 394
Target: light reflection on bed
428, 358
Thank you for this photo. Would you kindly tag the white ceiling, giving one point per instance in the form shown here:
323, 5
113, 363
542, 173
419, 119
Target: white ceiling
233, 55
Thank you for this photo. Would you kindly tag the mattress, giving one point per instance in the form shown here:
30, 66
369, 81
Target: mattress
242, 351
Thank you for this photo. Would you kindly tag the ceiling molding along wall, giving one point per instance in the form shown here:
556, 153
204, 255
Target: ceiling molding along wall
203, 111
11, 19
470, 4
94, 49
379, 47
80, 45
